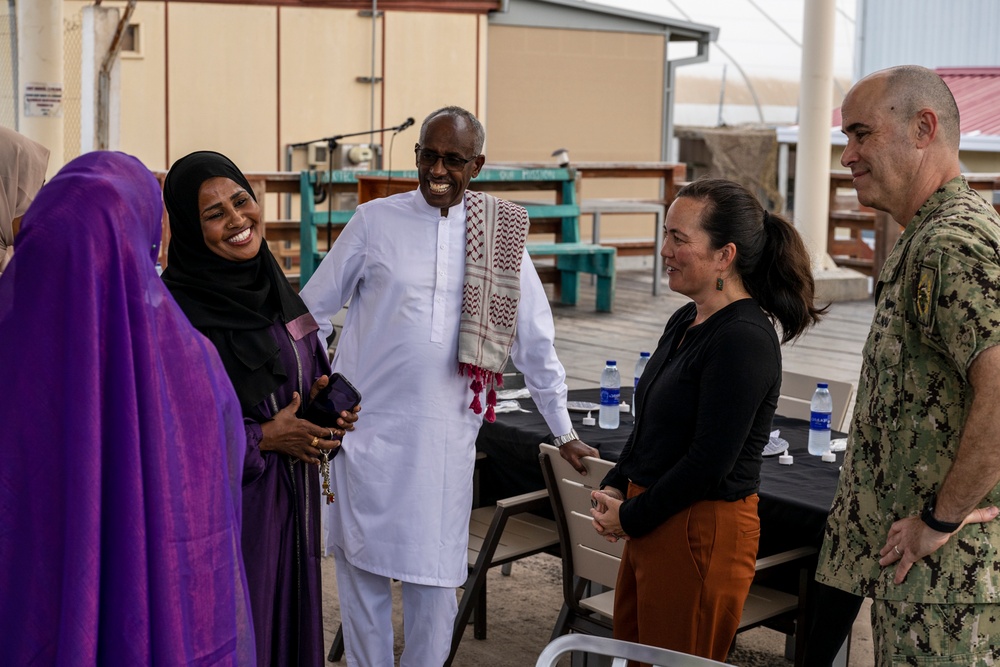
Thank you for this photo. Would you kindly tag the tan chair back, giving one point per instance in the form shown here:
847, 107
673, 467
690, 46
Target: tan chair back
797, 391
593, 557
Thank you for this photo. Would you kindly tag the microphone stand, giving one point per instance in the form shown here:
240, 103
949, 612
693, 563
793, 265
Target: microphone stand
331, 144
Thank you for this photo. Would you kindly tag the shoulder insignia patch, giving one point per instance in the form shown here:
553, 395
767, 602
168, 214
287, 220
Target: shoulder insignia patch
925, 294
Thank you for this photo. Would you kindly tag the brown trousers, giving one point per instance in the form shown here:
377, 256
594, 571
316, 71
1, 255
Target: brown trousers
683, 586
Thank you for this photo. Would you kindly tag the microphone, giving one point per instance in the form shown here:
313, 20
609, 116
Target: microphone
405, 124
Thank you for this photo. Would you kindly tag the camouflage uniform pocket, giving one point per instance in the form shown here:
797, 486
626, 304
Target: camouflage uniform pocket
881, 382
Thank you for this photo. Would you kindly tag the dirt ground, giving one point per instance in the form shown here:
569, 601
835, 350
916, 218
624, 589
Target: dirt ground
522, 611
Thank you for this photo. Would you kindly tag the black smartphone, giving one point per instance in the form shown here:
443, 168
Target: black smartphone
338, 395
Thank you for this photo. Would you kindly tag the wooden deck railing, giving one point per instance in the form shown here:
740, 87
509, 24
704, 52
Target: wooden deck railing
849, 221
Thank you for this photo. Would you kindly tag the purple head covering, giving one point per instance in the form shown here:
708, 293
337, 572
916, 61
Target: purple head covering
122, 443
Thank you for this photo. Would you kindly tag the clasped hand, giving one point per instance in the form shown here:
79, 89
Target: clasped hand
604, 508
288, 434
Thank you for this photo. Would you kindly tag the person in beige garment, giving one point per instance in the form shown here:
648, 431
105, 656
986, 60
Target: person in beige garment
22, 172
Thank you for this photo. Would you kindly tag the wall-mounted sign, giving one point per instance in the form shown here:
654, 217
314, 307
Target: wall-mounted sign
43, 99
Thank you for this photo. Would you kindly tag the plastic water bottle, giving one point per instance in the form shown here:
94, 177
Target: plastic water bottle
640, 366
611, 392
820, 409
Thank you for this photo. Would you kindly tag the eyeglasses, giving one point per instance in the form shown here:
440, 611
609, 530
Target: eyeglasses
426, 158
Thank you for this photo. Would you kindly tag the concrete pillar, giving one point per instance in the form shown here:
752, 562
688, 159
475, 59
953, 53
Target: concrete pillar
40, 75
812, 162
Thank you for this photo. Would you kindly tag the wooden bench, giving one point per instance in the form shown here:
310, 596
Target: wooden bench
596, 207
560, 220
668, 176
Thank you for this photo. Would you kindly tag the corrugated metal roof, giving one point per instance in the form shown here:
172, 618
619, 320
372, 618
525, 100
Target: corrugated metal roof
976, 91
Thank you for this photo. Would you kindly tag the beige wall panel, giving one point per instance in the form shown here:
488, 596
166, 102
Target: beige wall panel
323, 51
144, 90
835, 153
484, 54
430, 63
980, 162
597, 94
223, 82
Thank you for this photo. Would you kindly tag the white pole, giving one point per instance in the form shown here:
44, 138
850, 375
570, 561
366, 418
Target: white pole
812, 162
99, 26
40, 75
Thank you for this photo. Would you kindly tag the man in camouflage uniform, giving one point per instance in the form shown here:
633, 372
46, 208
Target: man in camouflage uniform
911, 525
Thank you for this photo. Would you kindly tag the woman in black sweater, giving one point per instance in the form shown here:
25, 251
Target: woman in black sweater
684, 492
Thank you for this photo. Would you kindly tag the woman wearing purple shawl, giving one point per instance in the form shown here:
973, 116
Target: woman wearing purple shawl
225, 279
122, 446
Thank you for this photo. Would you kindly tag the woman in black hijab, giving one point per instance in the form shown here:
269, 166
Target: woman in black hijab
229, 285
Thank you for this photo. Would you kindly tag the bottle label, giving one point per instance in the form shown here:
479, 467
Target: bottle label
610, 396
819, 421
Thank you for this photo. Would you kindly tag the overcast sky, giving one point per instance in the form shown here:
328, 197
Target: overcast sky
763, 36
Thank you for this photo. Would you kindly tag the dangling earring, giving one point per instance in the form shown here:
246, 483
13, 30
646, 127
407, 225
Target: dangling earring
719, 284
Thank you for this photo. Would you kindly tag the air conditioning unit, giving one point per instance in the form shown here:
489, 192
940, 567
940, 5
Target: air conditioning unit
353, 156
318, 154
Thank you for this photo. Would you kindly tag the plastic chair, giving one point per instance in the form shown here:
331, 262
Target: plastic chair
587, 557
499, 535
590, 559
797, 391
621, 651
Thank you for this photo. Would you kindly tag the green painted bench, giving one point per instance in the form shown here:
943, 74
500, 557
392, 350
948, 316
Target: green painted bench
561, 220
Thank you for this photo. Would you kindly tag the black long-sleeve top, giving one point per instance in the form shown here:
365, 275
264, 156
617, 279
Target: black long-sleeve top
703, 414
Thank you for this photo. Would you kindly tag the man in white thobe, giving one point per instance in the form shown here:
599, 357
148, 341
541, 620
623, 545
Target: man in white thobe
403, 479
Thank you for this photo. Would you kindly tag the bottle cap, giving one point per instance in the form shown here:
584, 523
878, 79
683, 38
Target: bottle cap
829, 457
822, 385
588, 420
644, 354
785, 459
612, 362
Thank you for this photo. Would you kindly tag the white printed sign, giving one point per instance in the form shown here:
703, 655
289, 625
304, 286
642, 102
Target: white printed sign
43, 99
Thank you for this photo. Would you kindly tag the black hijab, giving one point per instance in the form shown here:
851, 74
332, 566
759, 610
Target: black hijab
233, 303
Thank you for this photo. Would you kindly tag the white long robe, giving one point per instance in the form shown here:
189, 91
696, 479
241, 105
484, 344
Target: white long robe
403, 479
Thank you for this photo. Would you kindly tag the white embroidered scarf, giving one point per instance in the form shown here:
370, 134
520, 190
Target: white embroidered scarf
495, 231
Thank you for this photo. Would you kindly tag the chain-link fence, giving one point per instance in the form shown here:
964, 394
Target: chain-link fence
72, 63
8, 65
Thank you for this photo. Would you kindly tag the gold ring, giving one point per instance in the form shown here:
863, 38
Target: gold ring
896, 549
315, 440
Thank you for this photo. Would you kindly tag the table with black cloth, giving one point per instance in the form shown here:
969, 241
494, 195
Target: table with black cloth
794, 499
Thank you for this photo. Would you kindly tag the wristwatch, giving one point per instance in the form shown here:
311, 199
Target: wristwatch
927, 516
563, 439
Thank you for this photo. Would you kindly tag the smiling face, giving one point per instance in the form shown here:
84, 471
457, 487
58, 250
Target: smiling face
230, 219
447, 136
692, 266
881, 147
